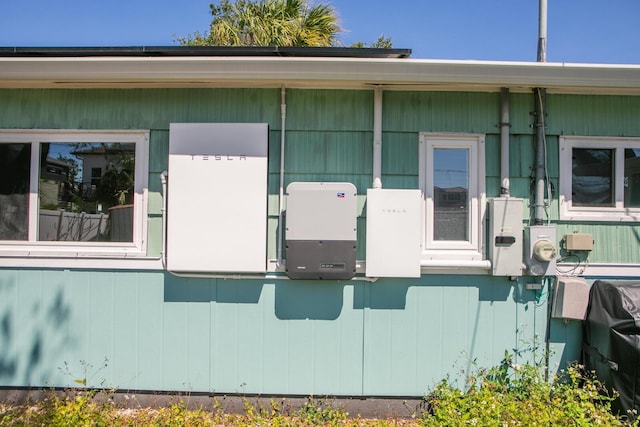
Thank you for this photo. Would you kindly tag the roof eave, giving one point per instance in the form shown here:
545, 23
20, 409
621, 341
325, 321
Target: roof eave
241, 71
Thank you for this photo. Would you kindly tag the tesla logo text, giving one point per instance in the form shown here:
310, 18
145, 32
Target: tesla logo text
218, 157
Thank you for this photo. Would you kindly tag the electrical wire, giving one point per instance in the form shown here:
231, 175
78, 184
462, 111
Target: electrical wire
577, 270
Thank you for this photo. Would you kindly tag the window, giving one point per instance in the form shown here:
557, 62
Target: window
71, 193
600, 179
452, 181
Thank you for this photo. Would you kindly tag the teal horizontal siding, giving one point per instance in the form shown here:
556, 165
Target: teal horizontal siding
154, 331
468, 112
593, 115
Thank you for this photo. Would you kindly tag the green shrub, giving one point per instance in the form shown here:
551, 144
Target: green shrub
515, 395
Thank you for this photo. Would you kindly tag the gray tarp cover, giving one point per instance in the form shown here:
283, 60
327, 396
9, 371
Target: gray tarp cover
612, 339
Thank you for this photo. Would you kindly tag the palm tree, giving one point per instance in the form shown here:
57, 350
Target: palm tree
269, 23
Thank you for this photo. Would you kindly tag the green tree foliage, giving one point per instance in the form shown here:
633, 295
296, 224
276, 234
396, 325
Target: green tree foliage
269, 23
382, 43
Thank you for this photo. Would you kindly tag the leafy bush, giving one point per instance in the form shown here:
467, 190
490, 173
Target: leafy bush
515, 395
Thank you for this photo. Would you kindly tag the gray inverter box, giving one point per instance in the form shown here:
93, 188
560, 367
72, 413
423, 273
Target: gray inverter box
321, 231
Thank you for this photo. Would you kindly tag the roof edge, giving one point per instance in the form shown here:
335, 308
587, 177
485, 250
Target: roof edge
177, 51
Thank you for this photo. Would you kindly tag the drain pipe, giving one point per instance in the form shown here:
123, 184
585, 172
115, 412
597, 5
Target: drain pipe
377, 138
163, 211
283, 121
504, 143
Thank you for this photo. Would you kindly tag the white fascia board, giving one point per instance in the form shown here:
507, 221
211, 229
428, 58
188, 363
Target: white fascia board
399, 74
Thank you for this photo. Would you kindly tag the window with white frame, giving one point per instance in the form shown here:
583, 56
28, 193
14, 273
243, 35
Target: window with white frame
452, 180
599, 178
68, 193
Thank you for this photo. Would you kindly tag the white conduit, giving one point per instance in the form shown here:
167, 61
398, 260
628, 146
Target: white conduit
504, 144
163, 253
377, 138
283, 121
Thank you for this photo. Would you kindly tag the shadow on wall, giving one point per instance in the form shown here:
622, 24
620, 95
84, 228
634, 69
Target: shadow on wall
324, 300
22, 358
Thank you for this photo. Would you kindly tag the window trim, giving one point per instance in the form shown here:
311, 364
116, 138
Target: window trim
474, 249
32, 248
615, 213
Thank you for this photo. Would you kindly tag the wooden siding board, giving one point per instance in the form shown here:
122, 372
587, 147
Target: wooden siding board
101, 327
521, 118
400, 153
593, 115
124, 360
617, 243
328, 152
323, 109
441, 112
9, 327
150, 345
136, 108
391, 337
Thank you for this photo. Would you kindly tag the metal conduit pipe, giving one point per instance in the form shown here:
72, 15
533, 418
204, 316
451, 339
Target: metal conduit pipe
539, 95
540, 156
504, 143
377, 137
283, 122
542, 31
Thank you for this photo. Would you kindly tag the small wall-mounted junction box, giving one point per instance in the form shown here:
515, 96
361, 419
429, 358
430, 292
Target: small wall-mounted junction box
578, 242
321, 230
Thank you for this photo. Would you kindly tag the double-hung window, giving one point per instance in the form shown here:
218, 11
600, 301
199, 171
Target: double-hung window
599, 178
452, 180
73, 193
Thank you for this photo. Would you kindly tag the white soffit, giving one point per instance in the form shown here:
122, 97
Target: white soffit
395, 74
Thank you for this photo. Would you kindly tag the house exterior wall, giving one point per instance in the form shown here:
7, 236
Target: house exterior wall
392, 337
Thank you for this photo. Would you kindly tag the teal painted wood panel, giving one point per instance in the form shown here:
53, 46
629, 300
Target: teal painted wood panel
328, 152
154, 331
521, 107
613, 242
470, 112
135, 108
329, 109
400, 153
417, 332
593, 115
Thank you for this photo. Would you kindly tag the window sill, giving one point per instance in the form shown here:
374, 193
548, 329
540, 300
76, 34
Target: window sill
82, 261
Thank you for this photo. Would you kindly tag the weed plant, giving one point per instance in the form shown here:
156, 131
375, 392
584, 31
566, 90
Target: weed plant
505, 395
515, 395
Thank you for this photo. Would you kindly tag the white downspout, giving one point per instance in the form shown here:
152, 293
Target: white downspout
163, 211
377, 137
283, 121
504, 143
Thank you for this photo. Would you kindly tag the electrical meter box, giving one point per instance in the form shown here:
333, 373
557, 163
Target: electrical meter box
505, 234
541, 250
321, 230
394, 233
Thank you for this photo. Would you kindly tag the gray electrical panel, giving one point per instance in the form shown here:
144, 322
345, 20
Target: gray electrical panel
320, 234
570, 299
505, 234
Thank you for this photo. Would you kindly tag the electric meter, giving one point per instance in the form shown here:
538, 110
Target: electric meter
544, 250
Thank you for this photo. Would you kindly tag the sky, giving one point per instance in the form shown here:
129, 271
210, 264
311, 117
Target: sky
579, 31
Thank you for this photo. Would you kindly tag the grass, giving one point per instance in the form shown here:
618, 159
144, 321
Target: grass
505, 395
